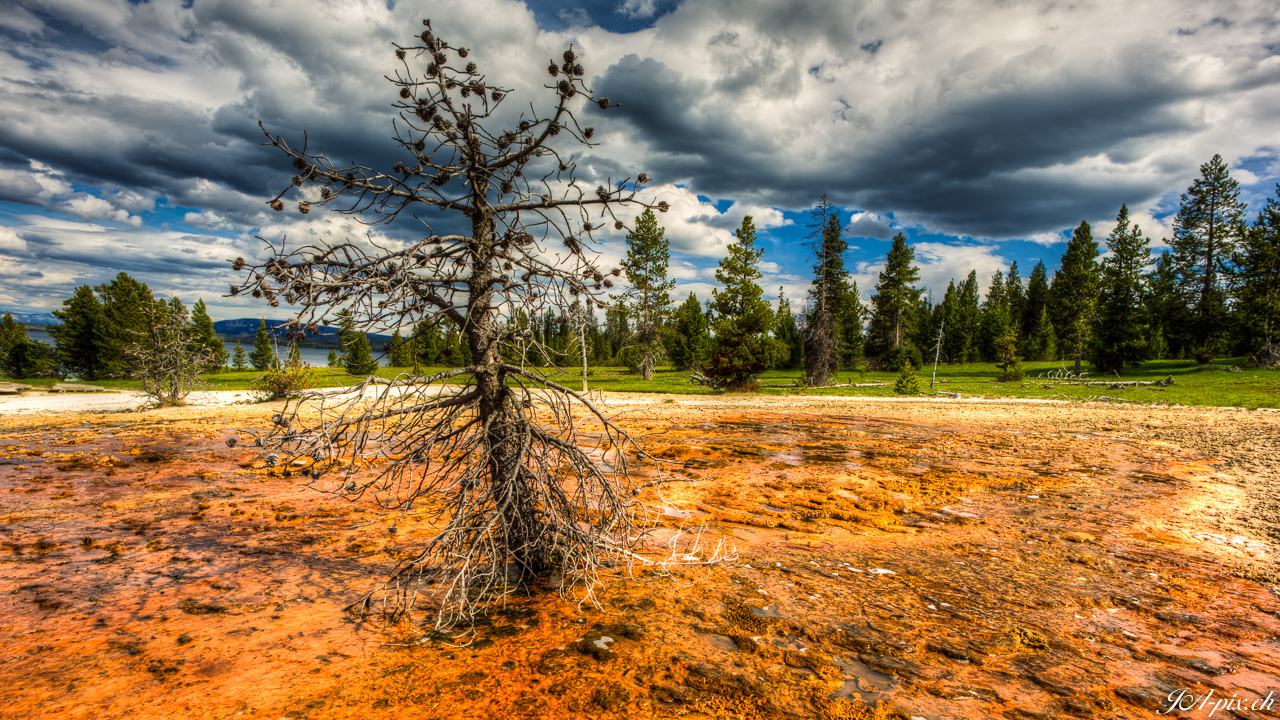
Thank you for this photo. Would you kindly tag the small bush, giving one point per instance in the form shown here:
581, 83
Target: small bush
907, 382
281, 382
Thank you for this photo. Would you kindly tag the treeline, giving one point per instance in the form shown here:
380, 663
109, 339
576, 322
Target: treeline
1215, 292
110, 331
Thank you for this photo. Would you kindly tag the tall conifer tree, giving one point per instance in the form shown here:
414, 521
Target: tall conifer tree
649, 294
1206, 233
828, 296
263, 356
1258, 282
742, 348
209, 345
894, 304
82, 340
1036, 299
1073, 295
1122, 329
690, 337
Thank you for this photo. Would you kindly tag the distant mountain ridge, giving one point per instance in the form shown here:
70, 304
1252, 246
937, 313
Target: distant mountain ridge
34, 318
242, 328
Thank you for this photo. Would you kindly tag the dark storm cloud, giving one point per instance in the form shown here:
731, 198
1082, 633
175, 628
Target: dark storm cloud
959, 173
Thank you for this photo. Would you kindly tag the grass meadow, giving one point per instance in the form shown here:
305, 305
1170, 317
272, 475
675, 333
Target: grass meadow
1226, 382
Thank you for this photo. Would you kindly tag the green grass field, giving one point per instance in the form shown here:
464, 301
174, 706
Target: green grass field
1216, 384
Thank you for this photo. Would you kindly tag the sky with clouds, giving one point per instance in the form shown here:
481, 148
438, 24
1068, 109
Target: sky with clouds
983, 130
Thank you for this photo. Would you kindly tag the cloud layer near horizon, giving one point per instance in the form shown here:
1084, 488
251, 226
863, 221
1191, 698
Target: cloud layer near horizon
127, 130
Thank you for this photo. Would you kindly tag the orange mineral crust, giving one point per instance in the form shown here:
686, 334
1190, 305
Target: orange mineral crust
874, 561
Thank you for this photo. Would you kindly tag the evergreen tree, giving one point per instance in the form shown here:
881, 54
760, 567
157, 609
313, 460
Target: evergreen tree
1122, 329
1015, 296
209, 345
742, 348
1041, 342
828, 295
907, 383
1037, 300
125, 305
893, 307
1258, 280
1006, 356
83, 347
333, 361
691, 340
428, 344
358, 359
401, 354
22, 357
996, 318
949, 317
852, 337
616, 330
1170, 319
1206, 233
965, 321
788, 334
647, 298
1073, 295
263, 355
12, 334
238, 360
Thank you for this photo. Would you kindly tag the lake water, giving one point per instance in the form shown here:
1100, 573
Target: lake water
317, 357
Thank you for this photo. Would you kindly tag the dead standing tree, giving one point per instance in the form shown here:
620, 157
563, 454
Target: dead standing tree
496, 456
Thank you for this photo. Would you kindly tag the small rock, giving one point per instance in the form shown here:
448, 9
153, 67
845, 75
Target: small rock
1079, 537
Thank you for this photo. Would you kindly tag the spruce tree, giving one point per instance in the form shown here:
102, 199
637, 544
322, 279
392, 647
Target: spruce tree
1041, 342
968, 320
828, 295
125, 305
1073, 295
907, 383
647, 297
332, 360
893, 306
1122, 332
12, 333
742, 348
263, 356
22, 357
788, 334
1258, 283
238, 360
996, 318
852, 335
1015, 296
358, 359
83, 346
401, 354
1206, 234
1036, 300
691, 340
1170, 318
206, 339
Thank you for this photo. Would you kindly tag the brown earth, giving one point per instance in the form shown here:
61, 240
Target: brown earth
908, 560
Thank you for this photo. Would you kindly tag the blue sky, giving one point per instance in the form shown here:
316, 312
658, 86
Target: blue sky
984, 131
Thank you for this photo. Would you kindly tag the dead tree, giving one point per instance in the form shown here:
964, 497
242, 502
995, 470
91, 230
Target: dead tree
167, 355
491, 449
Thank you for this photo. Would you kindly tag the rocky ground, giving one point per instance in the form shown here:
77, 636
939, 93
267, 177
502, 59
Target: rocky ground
888, 559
